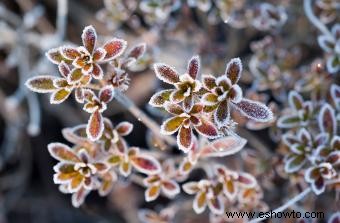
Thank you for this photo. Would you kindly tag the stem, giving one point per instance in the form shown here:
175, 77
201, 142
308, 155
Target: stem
61, 18
307, 5
141, 116
292, 201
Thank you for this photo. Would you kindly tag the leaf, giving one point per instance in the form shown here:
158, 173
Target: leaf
294, 163
124, 128
171, 125
295, 100
41, 84
62, 152
225, 146
173, 108
114, 48
194, 66
170, 188
152, 193
335, 93
234, 70
216, 205
95, 126
327, 120
166, 73
235, 93
59, 96
146, 164
207, 128
185, 139
55, 56
125, 168
64, 69
254, 110
106, 94
89, 38
246, 180
137, 51
97, 72
222, 114
190, 187
69, 52
288, 121
159, 98
229, 189
99, 54
78, 198
200, 202
326, 43
209, 99
75, 76
209, 82
177, 96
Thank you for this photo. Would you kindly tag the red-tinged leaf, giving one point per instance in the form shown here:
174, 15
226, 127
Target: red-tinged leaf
335, 218
235, 94
78, 198
171, 125
194, 66
254, 110
152, 193
207, 129
200, 202
97, 72
327, 120
159, 98
222, 113
79, 95
75, 76
170, 188
318, 186
225, 146
124, 128
209, 82
59, 96
294, 163
55, 56
334, 158
95, 126
89, 38
234, 70
69, 52
185, 139
166, 73
64, 69
106, 94
146, 164
137, 51
99, 54
335, 93
288, 121
41, 84
246, 180
173, 108
295, 100
190, 187
62, 152
216, 205
114, 48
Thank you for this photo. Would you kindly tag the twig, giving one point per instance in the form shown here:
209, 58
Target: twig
141, 116
307, 5
292, 201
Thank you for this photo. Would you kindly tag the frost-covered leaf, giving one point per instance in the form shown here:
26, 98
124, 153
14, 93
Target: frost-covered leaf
216, 205
190, 187
335, 93
146, 164
137, 51
246, 180
106, 94
114, 48
62, 152
222, 113
159, 98
254, 110
170, 188
171, 125
185, 139
55, 56
174, 109
97, 72
41, 84
166, 73
295, 100
78, 198
152, 193
288, 121
209, 81
95, 126
294, 163
194, 66
124, 128
234, 70
200, 202
225, 146
58, 96
89, 38
207, 128
327, 120
69, 52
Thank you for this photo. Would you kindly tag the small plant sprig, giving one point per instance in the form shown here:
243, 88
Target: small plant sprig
194, 102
